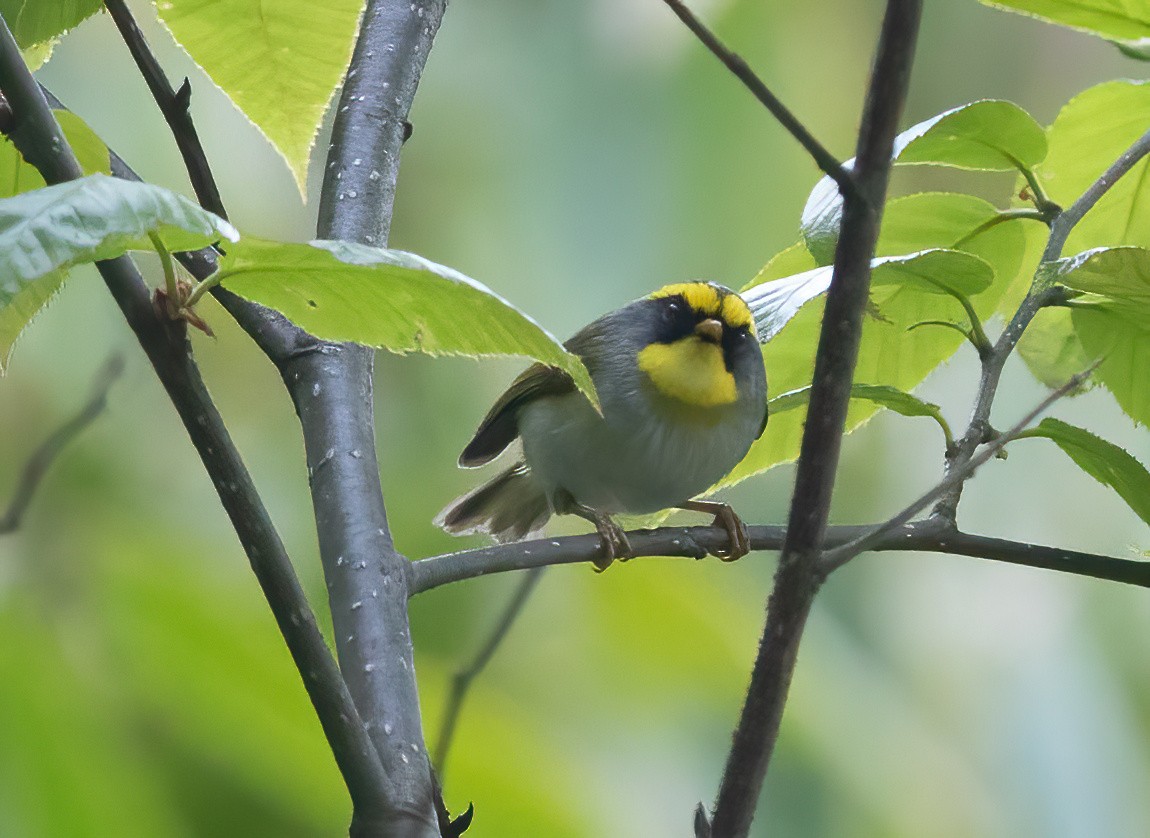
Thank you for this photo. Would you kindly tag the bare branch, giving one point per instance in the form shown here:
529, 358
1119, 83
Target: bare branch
174, 105
39, 139
42, 459
742, 71
833, 559
931, 535
797, 578
331, 385
461, 682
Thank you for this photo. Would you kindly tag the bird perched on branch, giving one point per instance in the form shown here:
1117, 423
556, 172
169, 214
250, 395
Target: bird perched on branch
683, 393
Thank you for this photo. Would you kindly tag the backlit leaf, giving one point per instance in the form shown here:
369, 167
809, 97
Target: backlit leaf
388, 299
1105, 462
279, 62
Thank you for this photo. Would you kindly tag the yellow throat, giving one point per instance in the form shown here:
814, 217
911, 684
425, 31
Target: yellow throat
690, 370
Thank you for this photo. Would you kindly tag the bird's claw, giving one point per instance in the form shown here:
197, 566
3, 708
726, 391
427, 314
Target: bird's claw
614, 542
738, 538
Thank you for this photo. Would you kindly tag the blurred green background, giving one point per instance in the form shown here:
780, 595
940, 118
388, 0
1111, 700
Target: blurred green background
572, 156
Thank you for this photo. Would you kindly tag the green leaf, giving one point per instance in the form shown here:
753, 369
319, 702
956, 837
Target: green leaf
36, 21
19, 304
280, 62
1102, 460
1089, 134
18, 309
1113, 322
388, 299
1118, 20
987, 135
933, 271
93, 218
1120, 273
1053, 350
882, 395
902, 294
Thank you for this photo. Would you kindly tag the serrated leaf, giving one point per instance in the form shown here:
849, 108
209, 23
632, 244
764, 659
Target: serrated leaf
987, 135
934, 271
1105, 462
1088, 135
389, 299
1113, 322
1118, 20
19, 306
990, 135
280, 62
36, 21
1053, 350
19, 309
93, 218
888, 355
892, 398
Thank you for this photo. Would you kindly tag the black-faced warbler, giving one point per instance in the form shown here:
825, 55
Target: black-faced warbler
683, 393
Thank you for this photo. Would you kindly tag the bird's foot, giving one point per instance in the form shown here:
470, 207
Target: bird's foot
739, 540
611, 536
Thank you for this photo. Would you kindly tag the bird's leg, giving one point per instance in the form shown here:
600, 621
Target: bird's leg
725, 517
611, 535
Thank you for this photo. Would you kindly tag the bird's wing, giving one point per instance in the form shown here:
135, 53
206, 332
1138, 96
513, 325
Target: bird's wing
501, 424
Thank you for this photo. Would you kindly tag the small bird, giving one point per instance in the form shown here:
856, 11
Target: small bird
683, 393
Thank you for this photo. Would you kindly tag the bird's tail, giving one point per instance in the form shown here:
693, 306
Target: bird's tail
508, 507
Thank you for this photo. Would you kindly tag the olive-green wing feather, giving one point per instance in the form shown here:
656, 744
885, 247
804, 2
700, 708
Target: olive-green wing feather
501, 424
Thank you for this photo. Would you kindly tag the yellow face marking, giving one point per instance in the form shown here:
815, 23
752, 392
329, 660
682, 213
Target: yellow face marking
689, 370
712, 301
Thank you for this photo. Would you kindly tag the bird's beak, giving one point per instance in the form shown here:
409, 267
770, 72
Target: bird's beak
710, 330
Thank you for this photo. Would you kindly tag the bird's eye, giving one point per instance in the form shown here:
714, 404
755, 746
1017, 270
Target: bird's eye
672, 311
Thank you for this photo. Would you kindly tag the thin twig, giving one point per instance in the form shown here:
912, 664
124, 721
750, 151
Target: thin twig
836, 558
462, 680
39, 139
40, 461
826, 161
173, 104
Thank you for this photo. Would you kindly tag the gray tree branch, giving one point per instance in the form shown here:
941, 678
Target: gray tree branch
331, 385
39, 139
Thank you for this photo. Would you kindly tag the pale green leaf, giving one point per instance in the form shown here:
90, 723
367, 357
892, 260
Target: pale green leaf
1105, 462
1053, 350
279, 62
1117, 20
989, 135
93, 218
1121, 274
20, 304
1113, 321
901, 402
1089, 134
36, 21
891, 353
388, 299
934, 271
18, 309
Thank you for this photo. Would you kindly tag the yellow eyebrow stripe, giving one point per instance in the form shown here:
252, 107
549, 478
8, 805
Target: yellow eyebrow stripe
712, 300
